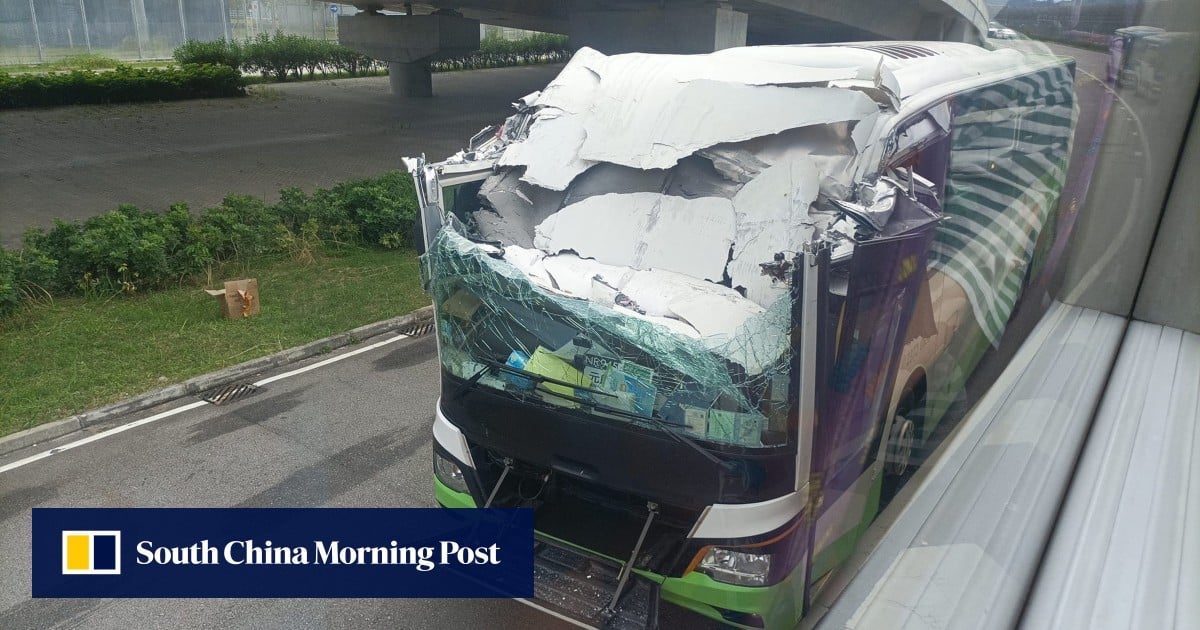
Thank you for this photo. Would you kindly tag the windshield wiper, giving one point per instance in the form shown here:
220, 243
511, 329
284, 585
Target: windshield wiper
470, 383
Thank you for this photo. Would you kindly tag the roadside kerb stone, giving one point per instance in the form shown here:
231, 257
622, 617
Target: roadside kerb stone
205, 382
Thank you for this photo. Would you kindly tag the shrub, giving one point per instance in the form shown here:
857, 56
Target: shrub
86, 61
497, 52
217, 52
277, 55
126, 249
281, 57
383, 209
130, 250
241, 227
23, 273
534, 44
123, 85
10, 295
352, 63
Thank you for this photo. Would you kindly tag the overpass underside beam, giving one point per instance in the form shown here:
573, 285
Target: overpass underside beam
660, 29
409, 43
941, 20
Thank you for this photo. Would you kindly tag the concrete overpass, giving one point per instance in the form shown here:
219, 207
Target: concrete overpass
435, 29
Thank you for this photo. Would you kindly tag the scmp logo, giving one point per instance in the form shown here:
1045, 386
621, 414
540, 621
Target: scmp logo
91, 553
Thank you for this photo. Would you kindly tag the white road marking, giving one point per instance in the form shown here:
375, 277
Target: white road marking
188, 407
272, 379
100, 436
533, 604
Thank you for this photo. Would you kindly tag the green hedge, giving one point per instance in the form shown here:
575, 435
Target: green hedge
218, 53
122, 85
130, 250
282, 57
279, 56
535, 44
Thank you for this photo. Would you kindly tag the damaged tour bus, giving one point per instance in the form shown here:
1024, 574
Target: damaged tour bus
692, 310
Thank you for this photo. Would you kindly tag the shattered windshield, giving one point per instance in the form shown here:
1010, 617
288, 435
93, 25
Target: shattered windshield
613, 357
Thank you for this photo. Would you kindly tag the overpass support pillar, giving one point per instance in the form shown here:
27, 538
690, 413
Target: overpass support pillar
409, 43
410, 79
666, 28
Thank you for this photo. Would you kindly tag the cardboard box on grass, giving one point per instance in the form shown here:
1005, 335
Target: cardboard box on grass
238, 299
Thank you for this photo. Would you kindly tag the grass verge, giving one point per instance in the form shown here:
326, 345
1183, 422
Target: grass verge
62, 357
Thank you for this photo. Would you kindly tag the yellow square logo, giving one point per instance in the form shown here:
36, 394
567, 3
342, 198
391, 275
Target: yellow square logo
91, 552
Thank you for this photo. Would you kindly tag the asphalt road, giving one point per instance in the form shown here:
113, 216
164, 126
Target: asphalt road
351, 434
76, 162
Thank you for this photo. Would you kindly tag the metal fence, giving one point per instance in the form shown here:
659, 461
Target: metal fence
43, 31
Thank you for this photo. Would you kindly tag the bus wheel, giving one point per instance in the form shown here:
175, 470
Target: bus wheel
900, 446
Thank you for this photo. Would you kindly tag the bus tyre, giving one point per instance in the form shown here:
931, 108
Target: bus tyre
900, 446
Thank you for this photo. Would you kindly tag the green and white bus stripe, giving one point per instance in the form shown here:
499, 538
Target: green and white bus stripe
1007, 171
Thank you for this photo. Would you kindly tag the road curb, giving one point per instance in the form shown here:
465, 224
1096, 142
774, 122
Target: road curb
204, 382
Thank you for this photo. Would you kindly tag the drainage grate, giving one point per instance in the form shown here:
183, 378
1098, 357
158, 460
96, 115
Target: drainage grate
416, 330
229, 393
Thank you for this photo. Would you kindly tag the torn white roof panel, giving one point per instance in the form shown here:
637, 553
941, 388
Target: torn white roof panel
605, 178
550, 153
674, 325
828, 146
713, 314
517, 207
571, 91
696, 176
653, 123
574, 275
650, 111
645, 231
772, 217
726, 68
658, 290
529, 261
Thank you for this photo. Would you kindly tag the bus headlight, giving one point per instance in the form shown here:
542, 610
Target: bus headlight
449, 473
736, 567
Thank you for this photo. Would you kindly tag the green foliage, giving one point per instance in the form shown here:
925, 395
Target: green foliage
122, 85
383, 209
283, 57
10, 295
125, 250
86, 61
497, 52
278, 56
352, 63
537, 43
130, 250
217, 52
24, 274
